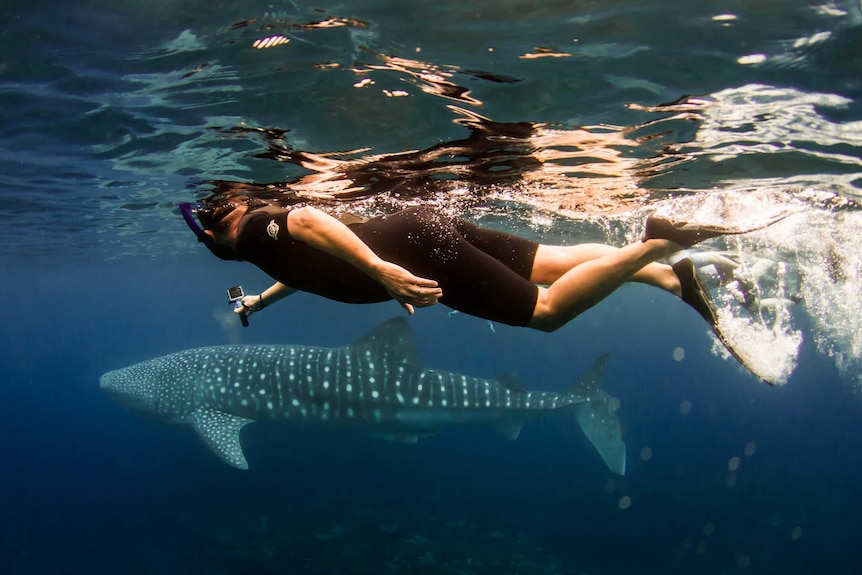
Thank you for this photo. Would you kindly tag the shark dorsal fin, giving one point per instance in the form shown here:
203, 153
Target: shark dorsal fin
220, 431
394, 339
512, 382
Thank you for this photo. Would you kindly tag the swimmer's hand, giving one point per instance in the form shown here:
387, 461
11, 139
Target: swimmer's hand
407, 289
250, 304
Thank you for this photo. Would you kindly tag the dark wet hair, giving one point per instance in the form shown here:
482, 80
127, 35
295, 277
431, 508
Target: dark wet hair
211, 214
215, 210
212, 217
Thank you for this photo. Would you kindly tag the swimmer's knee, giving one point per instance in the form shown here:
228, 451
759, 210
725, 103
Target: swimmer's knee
545, 318
549, 315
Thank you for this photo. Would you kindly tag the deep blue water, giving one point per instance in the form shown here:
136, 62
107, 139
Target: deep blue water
110, 113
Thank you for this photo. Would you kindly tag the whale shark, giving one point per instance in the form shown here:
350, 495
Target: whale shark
376, 382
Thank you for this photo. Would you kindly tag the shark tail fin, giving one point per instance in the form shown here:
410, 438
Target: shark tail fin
590, 381
598, 416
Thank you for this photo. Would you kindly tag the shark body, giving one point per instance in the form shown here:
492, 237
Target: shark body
376, 382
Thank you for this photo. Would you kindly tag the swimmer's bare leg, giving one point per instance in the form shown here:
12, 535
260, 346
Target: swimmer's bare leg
552, 262
587, 284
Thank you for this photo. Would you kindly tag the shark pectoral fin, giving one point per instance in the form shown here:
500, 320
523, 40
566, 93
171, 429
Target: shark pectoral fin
600, 423
220, 431
511, 430
406, 438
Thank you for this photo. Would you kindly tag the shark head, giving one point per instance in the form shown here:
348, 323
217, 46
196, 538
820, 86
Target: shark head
130, 388
154, 387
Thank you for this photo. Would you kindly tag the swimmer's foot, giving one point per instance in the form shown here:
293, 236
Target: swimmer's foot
686, 234
683, 233
695, 295
744, 290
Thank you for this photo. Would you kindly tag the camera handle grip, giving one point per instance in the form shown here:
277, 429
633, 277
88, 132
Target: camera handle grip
243, 318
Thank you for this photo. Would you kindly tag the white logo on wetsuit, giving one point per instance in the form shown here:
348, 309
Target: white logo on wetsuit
272, 230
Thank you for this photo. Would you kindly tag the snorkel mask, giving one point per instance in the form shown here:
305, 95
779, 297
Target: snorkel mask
188, 210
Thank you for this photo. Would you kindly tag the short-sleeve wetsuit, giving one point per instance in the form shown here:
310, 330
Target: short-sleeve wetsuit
482, 272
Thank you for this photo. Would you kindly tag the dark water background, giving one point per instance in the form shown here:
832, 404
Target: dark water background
110, 113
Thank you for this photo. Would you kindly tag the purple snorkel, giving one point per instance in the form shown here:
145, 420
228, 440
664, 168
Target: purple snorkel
188, 209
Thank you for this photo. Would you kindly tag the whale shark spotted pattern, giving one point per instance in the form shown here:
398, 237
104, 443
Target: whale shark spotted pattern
376, 382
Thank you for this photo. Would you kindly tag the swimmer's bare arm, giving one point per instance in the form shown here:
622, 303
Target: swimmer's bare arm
322, 231
270, 295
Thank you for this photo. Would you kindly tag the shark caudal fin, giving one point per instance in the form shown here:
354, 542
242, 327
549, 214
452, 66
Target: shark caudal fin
598, 417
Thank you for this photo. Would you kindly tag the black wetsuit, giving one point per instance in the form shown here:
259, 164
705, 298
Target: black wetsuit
482, 272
